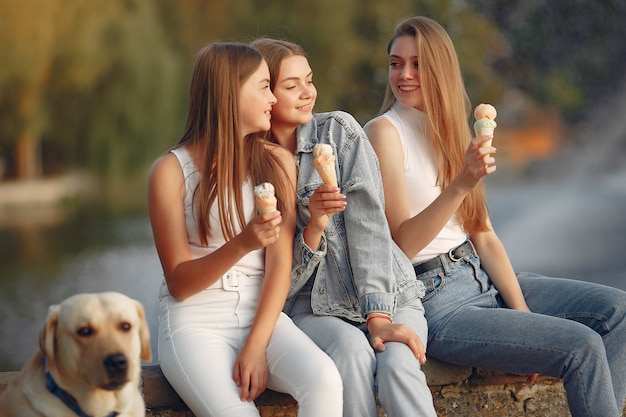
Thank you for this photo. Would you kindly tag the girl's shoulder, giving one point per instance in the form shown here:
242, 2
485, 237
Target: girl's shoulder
276, 149
165, 177
164, 164
380, 127
378, 122
339, 116
337, 122
178, 161
281, 153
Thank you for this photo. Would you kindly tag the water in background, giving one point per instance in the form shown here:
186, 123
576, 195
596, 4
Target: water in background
563, 227
570, 227
44, 266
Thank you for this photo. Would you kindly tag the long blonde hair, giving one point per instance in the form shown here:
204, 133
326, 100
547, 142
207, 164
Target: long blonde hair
213, 123
447, 107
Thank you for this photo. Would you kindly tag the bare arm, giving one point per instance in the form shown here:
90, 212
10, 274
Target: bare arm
412, 234
186, 276
250, 370
495, 261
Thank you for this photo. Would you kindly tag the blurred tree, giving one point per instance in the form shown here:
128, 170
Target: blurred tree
347, 45
84, 78
476, 42
191, 24
320, 27
132, 108
566, 55
103, 85
362, 88
30, 30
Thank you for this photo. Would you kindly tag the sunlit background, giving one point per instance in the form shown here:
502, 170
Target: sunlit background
91, 92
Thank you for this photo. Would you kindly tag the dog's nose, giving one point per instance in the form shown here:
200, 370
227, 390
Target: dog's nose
116, 364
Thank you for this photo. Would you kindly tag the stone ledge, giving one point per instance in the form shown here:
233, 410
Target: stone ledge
457, 392
159, 395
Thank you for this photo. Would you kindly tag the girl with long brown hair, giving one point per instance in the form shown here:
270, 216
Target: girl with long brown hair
222, 336
480, 312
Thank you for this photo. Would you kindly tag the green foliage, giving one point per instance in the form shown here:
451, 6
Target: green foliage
566, 55
103, 85
130, 112
556, 87
95, 81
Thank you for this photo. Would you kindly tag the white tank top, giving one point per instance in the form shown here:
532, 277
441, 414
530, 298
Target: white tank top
253, 263
421, 176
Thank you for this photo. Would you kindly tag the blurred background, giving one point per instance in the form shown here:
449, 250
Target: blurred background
92, 92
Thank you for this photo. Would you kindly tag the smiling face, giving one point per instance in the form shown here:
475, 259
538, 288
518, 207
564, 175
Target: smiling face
256, 100
404, 76
295, 94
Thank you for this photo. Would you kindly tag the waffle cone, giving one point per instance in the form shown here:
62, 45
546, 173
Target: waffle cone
326, 169
265, 205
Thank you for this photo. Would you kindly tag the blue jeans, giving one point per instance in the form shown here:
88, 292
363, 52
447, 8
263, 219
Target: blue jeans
576, 331
394, 375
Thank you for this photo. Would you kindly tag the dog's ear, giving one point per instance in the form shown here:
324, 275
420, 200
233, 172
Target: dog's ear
48, 332
144, 333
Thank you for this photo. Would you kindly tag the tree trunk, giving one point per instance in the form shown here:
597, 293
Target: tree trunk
27, 158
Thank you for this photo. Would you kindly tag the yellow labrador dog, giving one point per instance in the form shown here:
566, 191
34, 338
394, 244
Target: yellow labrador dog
89, 362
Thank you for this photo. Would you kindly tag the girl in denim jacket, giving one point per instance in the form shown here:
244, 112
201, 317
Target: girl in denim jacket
480, 312
353, 291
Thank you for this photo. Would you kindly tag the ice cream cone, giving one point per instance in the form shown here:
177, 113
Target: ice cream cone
264, 198
485, 124
324, 163
485, 127
485, 131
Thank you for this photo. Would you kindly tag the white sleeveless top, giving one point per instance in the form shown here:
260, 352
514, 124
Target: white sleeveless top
421, 176
253, 263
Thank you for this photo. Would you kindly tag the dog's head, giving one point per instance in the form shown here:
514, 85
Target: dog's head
96, 340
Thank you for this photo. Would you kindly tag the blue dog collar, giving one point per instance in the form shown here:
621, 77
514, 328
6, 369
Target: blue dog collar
66, 398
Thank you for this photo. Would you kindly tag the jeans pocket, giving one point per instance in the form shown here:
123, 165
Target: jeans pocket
434, 283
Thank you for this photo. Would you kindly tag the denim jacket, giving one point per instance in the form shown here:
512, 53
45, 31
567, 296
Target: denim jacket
358, 268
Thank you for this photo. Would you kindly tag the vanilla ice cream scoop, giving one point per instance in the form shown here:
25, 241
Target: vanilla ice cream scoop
485, 124
485, 111
264, 198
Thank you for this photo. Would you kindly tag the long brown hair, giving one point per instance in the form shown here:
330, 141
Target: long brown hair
213, 123
447, 107
275, 51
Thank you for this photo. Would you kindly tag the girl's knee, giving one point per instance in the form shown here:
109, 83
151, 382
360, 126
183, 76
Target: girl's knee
589, 345
323, 392
617, 300
397, 361
352, 351
328, 376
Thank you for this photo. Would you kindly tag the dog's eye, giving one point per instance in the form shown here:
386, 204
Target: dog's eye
84, 331
125, 326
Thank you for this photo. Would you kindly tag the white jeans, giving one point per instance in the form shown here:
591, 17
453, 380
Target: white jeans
199, 340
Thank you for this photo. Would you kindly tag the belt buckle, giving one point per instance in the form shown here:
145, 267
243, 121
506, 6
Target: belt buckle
230, 281
452, 257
